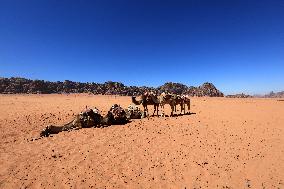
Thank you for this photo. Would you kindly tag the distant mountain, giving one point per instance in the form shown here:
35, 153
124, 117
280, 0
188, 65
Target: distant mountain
15, 85
275, 95
171, 87
207, 89
242, 95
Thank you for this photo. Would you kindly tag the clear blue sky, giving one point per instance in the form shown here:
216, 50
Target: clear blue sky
236, 44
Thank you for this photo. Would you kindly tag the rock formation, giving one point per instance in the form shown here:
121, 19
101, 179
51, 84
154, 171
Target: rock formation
275, 95
15, 85
242, 95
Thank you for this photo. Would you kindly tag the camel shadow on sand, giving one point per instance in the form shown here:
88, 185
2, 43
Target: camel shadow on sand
115, 123
175, 115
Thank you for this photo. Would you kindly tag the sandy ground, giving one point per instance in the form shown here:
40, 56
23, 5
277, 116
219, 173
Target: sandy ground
227, 143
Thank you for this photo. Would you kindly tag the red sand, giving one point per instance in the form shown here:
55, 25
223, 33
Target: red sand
228, 143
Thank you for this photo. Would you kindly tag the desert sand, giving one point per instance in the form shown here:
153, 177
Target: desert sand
225, 143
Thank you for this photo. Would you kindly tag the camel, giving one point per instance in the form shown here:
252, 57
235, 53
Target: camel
147, 99
116, 115
182, 101
178, 101
173, 100
86, 119
75, 124
166, 99
89, 118
134, 112
186, 101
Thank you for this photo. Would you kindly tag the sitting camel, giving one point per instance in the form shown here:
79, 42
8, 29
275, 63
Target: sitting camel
134, 112
116, 115
90, 118
147, 99
86, 119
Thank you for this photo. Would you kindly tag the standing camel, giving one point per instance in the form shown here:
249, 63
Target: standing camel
186, 101
147, 99
173, 100
178, 101
167, 99
182, 101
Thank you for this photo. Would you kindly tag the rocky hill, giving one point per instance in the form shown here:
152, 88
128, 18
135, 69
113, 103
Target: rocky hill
275, 95
242, 95
15, 85
207, 89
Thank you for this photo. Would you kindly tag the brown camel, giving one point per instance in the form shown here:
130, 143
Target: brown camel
86, 119
147, 99
167, 99
89, 118
186, 101
182, 101
173, 100
116, 115
178, 101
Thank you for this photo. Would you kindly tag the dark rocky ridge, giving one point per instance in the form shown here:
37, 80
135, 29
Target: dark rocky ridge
16, 85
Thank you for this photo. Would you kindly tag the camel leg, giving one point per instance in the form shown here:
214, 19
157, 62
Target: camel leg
154, 110
146, 111
173, 105
163, 110
172, 112
189, 105
157, 106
